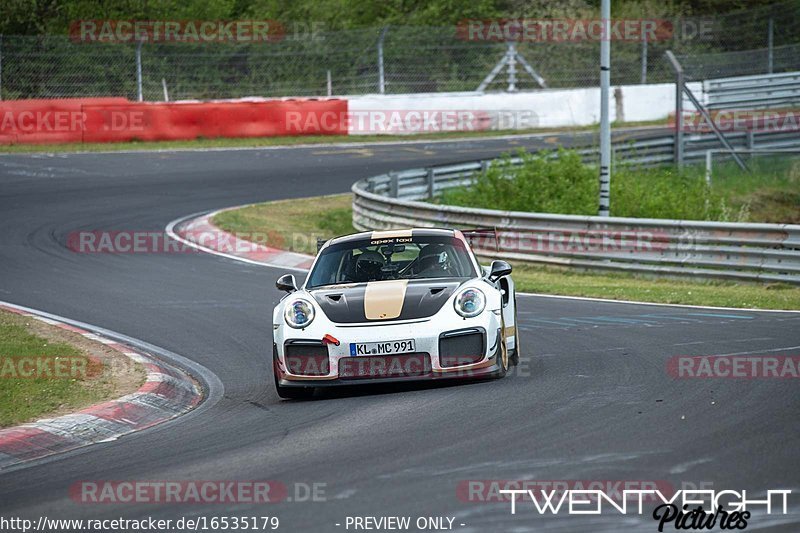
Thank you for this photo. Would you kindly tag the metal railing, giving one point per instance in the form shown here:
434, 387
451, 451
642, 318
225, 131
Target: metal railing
753, 92
764, 91
719, 250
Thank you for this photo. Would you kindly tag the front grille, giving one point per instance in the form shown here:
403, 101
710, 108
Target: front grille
457, 348
307, 359
385, 366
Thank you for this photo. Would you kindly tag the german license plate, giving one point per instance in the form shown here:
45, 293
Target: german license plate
382, 348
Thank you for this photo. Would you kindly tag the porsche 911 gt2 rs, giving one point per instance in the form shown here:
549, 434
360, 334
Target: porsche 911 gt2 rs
398, 305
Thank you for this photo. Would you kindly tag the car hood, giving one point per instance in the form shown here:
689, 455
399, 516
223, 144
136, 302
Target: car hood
385, 300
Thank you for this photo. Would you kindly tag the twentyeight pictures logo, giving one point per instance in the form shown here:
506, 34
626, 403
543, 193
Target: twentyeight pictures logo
684, 509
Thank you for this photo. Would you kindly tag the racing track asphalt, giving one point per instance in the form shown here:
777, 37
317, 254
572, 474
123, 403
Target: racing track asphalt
593, 402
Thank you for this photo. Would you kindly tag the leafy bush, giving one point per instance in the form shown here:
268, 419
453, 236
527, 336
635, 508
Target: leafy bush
559, 182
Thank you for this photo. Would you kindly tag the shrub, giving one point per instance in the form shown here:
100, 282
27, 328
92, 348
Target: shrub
559, 182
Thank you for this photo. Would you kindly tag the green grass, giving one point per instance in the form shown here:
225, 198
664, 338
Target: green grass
23, 399
543, 184
550, 280
298, 223
251, 142
292, 224
769, 193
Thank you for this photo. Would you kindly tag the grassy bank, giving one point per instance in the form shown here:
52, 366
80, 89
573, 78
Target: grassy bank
770, 192
93, 373
293, 224
297, 223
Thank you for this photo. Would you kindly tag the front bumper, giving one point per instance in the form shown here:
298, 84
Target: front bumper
434, 358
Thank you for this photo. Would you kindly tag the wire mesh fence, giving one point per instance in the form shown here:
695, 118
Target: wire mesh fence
396, 59
698, 67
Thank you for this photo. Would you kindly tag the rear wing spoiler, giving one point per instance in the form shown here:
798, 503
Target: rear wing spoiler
469, 234
478, 233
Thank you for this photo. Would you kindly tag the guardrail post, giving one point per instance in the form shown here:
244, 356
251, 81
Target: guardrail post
393, 184
431, 179
604, 200
644, 59
330, 84
381, 76
678, 107
139, 69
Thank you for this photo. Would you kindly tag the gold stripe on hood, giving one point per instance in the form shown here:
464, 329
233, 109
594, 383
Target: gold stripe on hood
384, 299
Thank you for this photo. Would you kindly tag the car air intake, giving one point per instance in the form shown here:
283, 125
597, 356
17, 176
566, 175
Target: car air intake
462, 347
307, 358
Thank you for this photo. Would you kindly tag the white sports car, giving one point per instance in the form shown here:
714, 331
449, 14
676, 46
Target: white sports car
399, 305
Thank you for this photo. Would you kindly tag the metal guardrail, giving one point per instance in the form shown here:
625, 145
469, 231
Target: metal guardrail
753, 92
738, 251
660, 149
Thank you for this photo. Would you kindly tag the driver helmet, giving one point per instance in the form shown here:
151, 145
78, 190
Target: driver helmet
368, 265
433, 258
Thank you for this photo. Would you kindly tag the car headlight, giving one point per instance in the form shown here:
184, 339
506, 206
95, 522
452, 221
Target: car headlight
298, 313
470, 302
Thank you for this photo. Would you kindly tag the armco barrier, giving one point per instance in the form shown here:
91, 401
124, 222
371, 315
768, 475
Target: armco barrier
116, 119
774, 91
764, 252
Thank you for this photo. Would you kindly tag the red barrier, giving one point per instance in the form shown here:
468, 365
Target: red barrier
116, 119
46, 121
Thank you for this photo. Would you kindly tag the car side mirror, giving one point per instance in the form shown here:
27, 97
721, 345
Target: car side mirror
498, 270
286, 283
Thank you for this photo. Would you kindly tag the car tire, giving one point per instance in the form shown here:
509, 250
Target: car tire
289, 393
513, 358
502, 358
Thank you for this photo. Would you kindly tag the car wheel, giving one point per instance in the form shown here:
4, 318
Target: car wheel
502, 362
514, 358
289, 393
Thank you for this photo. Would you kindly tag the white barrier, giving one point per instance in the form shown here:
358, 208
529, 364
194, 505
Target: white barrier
550, 108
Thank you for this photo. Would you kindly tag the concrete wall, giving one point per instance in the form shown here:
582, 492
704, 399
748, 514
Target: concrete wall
551, 108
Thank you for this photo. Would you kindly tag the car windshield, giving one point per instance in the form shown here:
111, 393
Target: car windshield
360, 261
